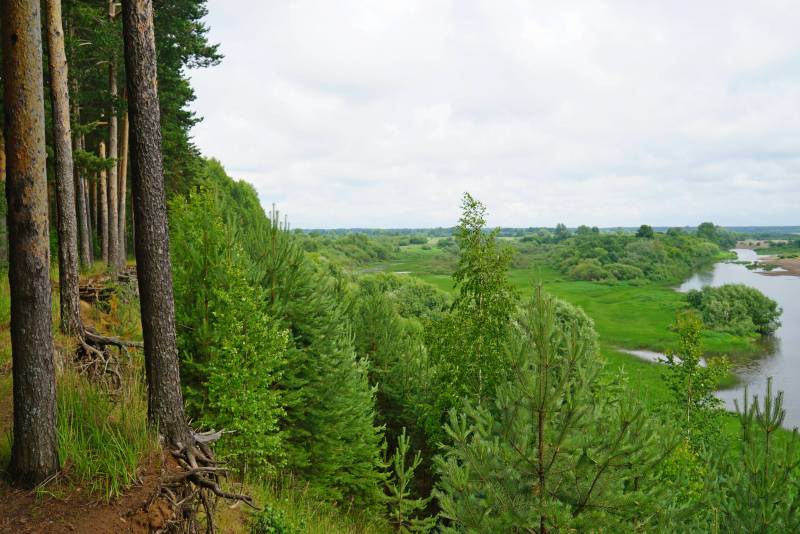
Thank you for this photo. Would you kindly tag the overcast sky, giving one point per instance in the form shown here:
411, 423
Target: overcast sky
382, 113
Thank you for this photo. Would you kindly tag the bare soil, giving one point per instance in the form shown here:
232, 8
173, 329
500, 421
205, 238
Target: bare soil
791, 266
42, 512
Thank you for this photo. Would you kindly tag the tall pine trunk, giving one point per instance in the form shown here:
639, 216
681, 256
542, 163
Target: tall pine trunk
84, 226
3, 232
102, 205
94, 185
89, 225
123, 185
34, 453
153, 266
114, 262
65, 179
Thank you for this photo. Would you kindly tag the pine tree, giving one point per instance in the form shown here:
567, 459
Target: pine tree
153, 266
232, 352
555, 451
331, 438
34, 454
406, 513
65, 180
759, 488
399, 366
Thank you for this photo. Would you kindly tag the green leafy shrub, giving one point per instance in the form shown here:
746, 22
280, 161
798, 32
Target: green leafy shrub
623, 271
660, 257
271, 521
590, 270
736, 308
692, 384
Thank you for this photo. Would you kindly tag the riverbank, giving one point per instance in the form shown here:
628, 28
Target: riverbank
787, 266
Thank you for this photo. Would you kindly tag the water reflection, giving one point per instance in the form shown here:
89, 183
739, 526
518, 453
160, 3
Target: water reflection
779, 356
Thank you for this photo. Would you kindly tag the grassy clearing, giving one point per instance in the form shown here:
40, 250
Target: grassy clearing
101, 440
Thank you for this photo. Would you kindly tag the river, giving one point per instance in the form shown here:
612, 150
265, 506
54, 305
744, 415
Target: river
780, 357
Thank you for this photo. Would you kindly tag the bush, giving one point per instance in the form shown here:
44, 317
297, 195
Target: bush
736, 308
623, 271
271, 521
661, 257
590, 270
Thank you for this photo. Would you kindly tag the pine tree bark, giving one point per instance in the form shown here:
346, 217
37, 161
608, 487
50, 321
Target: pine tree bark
65, 179
84, 232
102, 206
87, 186
153, 266
34, 453
2, 155
3, 232
84, 227
123, 185
114, 262
94, 186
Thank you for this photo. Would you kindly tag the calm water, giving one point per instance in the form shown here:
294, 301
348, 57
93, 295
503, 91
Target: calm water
780, 357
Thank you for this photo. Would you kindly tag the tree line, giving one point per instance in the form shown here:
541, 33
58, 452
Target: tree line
95, 132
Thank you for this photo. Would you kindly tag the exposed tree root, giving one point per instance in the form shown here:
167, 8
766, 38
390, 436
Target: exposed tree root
94, 359
93, 356
194, 489
97, 362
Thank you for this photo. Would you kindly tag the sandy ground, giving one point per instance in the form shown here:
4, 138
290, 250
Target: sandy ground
792, 266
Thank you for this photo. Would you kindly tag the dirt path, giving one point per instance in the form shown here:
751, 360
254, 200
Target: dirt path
27, 512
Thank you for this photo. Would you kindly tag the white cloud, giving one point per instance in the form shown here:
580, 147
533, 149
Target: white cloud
362, 113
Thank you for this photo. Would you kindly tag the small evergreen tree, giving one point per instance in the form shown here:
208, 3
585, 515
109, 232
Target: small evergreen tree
760, 486
331, 438
403, 509
398, 362
556, 451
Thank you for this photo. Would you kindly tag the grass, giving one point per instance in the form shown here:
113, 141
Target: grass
300, 510
780, 250
101, 440
102, 437
5, 300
